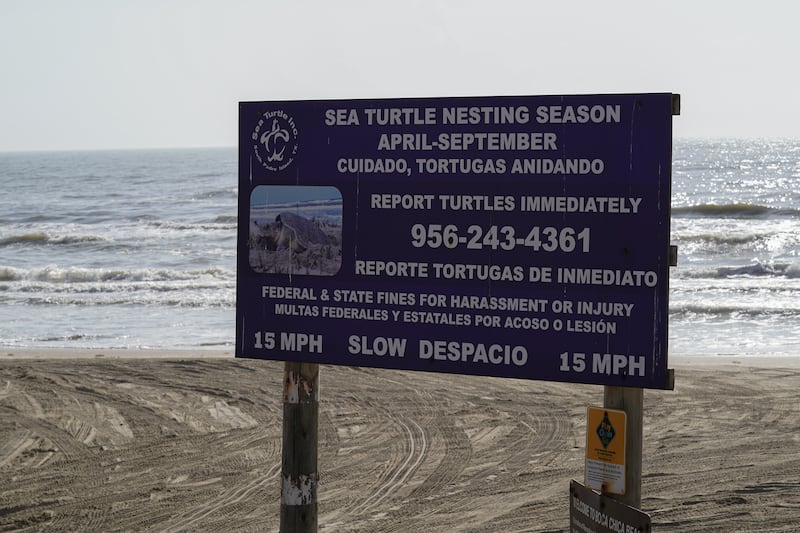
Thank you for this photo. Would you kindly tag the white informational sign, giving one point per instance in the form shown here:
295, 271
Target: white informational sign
605, 450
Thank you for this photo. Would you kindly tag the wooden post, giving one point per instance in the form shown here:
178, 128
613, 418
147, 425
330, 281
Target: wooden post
630, 400
299, 475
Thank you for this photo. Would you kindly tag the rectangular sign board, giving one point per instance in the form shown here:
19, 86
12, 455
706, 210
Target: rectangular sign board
605, 450
591, 511
522, 237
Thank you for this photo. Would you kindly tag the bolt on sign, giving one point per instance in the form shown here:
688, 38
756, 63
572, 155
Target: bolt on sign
520, 236
605, 450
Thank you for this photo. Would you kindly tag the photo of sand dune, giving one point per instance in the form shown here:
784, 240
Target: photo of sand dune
295, 230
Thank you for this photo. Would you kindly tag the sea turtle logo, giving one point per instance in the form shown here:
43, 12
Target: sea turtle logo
275, 140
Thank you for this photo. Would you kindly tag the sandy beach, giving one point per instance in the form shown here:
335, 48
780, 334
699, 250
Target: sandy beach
107, 440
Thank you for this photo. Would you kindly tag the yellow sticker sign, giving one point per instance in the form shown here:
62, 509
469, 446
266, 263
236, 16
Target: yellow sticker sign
605, 450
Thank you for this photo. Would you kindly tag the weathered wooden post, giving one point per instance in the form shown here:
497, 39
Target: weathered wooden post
630, 400
299, 475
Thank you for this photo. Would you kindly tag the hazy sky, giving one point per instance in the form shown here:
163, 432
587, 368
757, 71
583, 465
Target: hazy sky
97, 74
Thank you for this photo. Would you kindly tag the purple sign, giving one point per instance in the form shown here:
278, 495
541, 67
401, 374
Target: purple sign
522, 237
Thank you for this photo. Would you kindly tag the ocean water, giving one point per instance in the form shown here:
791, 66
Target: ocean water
138, 248
118, 248
736, 222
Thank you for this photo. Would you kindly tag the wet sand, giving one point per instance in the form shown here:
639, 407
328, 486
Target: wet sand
105, 440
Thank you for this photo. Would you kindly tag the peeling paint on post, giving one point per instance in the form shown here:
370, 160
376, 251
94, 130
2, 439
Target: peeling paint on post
301, 383
299, 491
299, 477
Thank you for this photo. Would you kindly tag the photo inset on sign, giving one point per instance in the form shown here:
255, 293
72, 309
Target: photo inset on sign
295, 230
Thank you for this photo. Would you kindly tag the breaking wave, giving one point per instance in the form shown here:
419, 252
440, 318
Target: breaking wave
55, 274
786, 270
691, 312
738, 210
43, 238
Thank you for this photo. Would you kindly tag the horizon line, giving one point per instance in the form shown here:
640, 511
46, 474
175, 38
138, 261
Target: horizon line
234, 146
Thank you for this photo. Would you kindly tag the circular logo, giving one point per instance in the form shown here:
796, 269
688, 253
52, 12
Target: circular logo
275, 140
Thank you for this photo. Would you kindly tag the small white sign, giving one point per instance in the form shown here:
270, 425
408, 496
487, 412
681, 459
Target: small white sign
605, 450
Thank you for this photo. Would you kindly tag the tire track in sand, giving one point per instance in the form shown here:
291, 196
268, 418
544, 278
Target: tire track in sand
228, 499
417, 446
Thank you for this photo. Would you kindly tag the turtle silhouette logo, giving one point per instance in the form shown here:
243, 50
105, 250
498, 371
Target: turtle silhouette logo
271, 140
275, 140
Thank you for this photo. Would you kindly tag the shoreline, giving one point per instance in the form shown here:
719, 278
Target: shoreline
10, 353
